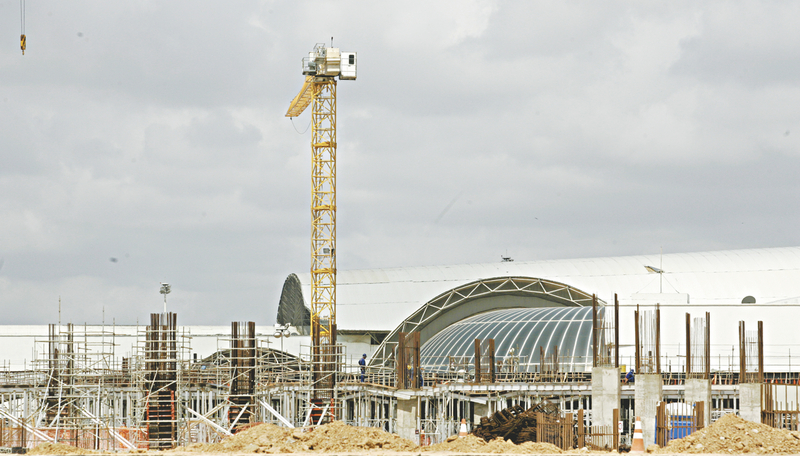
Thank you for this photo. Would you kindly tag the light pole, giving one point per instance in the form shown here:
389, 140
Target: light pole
660, 273
281, 331
165, 289
658, 270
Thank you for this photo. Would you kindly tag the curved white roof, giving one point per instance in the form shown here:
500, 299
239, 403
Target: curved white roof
379, 299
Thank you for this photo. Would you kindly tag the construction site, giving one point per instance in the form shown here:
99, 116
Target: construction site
565, 354
78, 392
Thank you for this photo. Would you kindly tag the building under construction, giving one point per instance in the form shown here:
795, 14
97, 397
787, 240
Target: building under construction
444, 344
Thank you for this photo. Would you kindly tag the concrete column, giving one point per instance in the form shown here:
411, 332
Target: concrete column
407, 413
392, 412
699, 389
750, 401
647, 395
606, 391
605, 395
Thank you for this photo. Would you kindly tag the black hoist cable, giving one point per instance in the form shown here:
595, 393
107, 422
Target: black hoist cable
23, 40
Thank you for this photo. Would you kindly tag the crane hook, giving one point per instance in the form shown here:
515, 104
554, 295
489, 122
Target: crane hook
22, 43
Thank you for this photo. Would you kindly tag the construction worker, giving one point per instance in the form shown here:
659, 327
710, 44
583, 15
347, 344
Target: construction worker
628, 377
363, 365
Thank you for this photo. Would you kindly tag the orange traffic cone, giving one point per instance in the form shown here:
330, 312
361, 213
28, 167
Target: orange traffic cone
462, 431
637, 446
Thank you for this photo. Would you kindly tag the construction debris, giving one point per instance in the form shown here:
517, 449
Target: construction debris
333, 437
733, 435
514, 423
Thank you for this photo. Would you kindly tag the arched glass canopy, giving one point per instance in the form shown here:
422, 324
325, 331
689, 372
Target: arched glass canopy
479, 298
518, 335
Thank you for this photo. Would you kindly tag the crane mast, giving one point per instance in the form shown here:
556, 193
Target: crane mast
323, 213
322, 66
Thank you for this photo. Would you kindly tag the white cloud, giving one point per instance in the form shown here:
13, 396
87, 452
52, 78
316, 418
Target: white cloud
154, 133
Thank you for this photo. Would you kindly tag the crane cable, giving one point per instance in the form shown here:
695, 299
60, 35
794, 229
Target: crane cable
298, 131
23, 40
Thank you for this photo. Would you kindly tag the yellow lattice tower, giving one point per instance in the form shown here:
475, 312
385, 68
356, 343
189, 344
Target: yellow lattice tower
322, 67
323, 212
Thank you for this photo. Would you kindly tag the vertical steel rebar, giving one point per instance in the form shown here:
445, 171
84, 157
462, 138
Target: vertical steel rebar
616, 331
658, 339
638, 354
688, 345
594, 330
760, 351
708, 349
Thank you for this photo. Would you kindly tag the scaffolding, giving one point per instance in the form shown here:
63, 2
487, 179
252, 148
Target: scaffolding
77, 392
80, 392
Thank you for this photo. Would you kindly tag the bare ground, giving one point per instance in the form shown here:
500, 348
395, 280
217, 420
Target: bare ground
729, 435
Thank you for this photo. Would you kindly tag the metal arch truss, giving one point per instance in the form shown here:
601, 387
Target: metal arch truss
519, 286
323, 212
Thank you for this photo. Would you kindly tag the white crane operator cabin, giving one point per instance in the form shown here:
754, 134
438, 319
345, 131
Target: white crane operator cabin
329, 61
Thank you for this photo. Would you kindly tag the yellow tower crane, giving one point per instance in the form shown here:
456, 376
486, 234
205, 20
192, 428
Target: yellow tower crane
322, 67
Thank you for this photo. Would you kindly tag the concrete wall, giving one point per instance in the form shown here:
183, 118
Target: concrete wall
407, 415
700, 390
647, 395
750, 401
481, 410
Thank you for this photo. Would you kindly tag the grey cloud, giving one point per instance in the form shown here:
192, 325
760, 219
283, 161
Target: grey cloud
219, 131
762, 50
570, 130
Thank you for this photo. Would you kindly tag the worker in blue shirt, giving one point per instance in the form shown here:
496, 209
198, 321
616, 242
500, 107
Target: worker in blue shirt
628, 377
363, 364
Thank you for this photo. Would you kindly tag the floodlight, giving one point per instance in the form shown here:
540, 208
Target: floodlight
660, 272
165, 289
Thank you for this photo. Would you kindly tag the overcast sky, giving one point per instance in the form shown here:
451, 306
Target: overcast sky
153, 133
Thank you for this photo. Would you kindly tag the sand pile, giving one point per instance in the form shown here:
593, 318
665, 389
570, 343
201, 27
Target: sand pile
333, 437
57, 448
731, 434
473, 444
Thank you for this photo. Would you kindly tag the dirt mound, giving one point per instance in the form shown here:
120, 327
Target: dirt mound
540, 448
57, 448
333, 437
473, 444
731, 434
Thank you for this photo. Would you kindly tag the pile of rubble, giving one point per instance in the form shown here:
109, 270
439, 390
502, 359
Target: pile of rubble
733, 435
333, 437
473, 444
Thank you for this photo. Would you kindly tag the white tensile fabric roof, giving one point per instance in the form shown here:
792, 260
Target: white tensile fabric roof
379, 299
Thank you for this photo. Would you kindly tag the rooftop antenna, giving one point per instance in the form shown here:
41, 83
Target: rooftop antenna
165, 289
